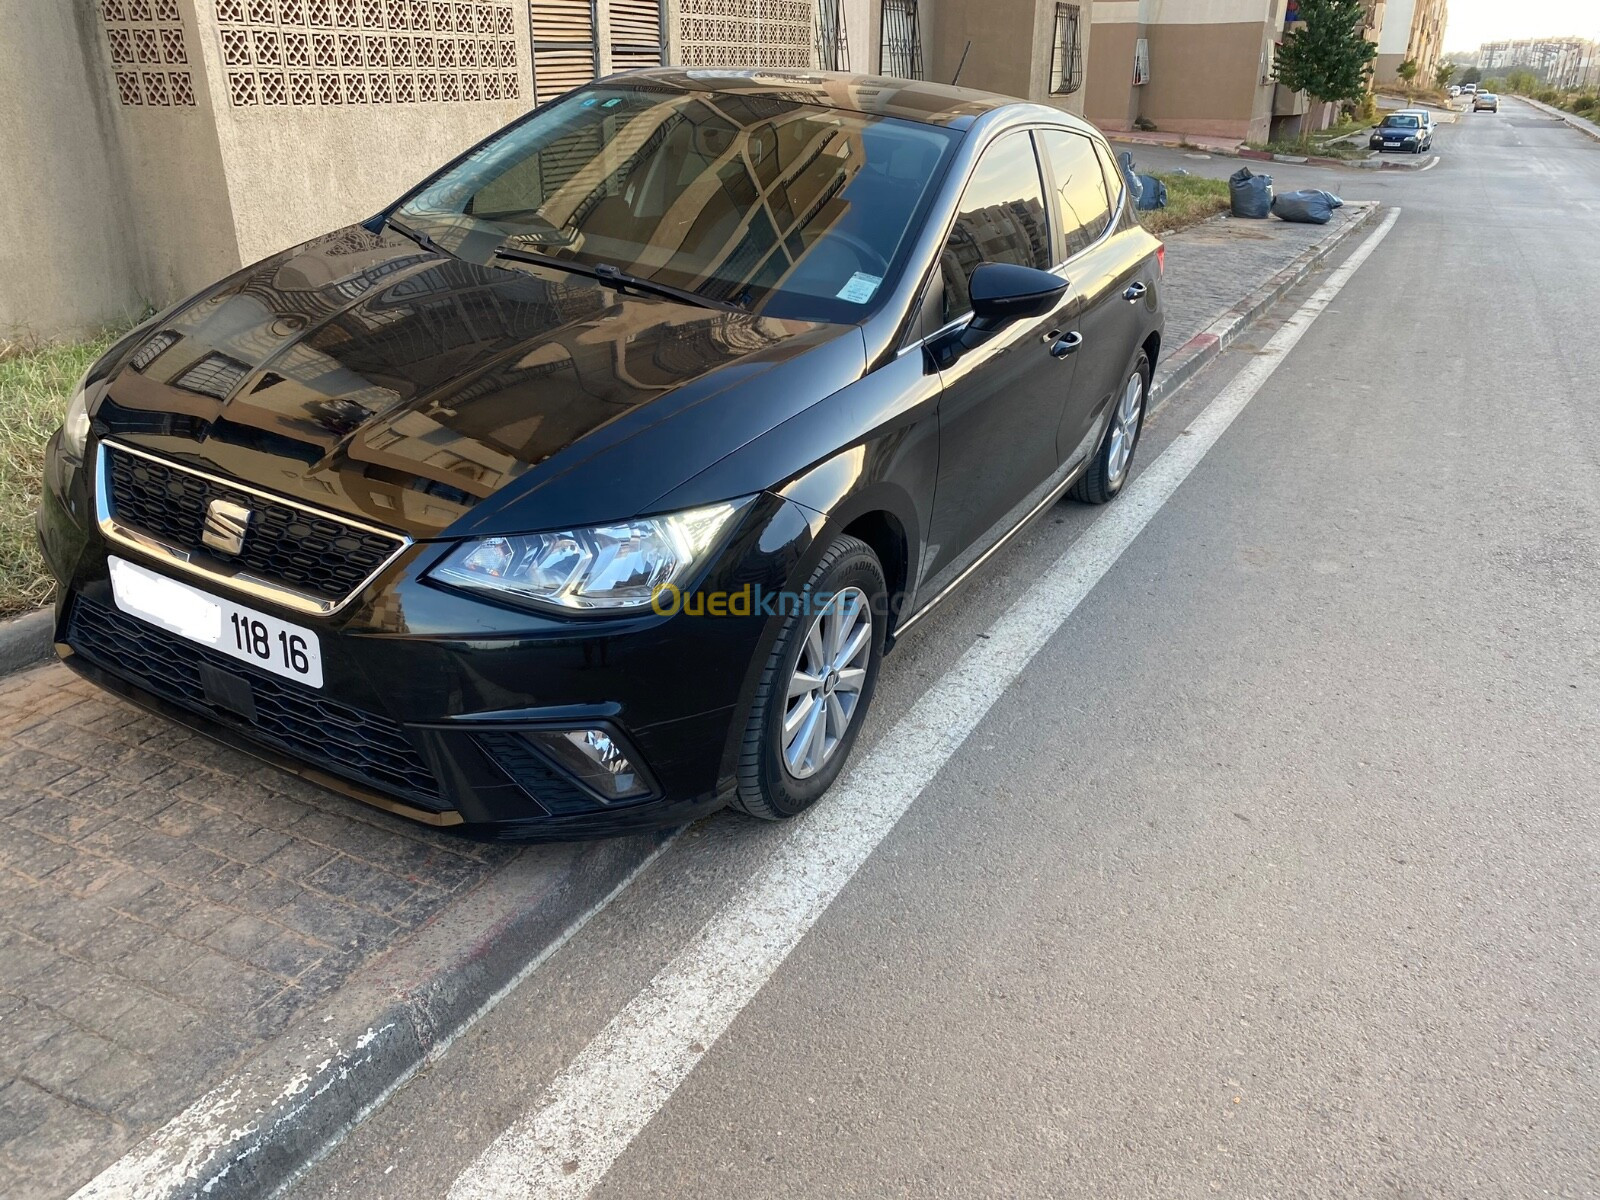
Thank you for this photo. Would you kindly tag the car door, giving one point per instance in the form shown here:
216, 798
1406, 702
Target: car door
1108, 283
1002, 395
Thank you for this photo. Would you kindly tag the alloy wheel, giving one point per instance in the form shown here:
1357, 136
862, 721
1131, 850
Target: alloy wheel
825, 688
1125, 428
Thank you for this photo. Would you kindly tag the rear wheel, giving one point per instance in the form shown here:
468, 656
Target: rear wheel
1113, 461
817, 684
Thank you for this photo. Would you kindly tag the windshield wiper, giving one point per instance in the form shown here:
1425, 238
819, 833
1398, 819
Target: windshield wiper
612, 277
417, 236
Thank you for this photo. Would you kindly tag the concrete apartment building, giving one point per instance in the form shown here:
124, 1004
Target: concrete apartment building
157, 145
1567, 62
1199, 67
1412, 30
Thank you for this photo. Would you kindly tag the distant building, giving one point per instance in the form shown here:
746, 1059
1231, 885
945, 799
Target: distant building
1205, 68
1412, 30
1567, 62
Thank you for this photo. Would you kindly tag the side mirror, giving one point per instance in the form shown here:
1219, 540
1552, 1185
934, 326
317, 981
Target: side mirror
1004, 292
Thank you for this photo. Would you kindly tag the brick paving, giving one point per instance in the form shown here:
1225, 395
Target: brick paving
166, 906
1214, 265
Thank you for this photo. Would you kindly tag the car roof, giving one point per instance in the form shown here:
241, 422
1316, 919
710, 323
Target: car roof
875, 95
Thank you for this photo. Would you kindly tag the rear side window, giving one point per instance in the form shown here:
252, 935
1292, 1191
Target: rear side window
1081, 198
1113, 176
1002, 219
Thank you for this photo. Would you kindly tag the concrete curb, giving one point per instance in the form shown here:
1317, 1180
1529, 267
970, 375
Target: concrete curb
1182, 365
1588, 128
27, 641
265, 1125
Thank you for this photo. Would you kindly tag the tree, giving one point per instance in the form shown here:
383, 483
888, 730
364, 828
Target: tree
1522, 81
1443, 74
1408, 74
1471, 75
1328, 57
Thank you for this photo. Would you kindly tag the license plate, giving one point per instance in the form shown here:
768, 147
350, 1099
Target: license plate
291, 651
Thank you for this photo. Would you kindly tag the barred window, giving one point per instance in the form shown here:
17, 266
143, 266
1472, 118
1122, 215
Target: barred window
1066, 57
833, 47
902, 40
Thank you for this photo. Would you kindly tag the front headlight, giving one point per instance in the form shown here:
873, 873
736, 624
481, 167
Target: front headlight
617, 566
75, 429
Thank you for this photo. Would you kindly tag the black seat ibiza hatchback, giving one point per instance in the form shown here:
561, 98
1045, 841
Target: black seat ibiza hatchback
584, 488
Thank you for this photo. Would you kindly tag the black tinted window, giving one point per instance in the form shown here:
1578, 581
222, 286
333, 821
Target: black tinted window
1001, 219
1080, 188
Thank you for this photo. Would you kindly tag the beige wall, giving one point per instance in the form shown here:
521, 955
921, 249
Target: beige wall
1111, 100
64, 247
1012, 43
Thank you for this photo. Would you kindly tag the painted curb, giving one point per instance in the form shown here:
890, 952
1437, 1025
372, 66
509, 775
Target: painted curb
27, 641
263, 1126
1182, 364
1588, 128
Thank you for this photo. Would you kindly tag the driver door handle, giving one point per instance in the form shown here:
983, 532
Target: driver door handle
1135, 291
1063, 346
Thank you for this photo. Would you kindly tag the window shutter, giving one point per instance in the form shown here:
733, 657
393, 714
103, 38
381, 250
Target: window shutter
636, 39
564, 47
1141, 62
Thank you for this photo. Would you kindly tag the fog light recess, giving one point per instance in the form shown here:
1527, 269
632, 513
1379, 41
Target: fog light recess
597, 758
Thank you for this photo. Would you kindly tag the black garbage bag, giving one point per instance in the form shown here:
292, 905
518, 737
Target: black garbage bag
1135, 187
1251, 194
1152, 193
1307, 207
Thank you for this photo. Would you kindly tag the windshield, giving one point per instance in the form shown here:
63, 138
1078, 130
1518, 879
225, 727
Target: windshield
1400, 122
777, 206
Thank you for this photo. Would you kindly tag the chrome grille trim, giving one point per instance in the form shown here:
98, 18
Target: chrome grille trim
183, 558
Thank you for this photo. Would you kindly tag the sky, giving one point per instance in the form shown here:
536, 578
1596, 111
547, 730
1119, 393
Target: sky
1473, 22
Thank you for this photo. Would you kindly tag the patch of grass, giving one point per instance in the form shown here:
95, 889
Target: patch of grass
34, 388
1190, 200
1342, 150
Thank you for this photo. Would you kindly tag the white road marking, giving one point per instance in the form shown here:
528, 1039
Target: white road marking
596, 1107
1431, 165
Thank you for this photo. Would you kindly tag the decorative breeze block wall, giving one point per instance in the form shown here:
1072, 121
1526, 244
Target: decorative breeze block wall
747, 33
148, 54
311, 52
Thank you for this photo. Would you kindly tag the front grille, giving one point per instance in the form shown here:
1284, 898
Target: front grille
362, 746
310, 553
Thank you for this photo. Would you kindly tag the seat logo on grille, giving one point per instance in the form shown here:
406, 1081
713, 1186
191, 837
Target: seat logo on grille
226, 525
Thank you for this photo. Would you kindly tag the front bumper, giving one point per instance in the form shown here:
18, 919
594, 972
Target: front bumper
428, 692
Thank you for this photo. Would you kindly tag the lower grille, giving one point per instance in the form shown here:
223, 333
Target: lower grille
352, 743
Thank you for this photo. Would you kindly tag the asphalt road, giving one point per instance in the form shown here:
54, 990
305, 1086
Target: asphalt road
1272, 874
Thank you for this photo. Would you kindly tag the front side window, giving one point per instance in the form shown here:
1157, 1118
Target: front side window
1081, 199
1002, 220
766, 203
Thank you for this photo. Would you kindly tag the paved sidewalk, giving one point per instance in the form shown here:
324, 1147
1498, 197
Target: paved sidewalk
169, 905
1212, 265
176, 915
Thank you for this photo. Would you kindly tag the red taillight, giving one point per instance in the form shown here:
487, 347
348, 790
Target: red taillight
1161, 258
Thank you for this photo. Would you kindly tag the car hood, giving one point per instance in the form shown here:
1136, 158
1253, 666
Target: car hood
364, 375
1399, 130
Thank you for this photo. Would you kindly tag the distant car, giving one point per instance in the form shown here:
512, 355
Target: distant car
1486, 102
1454, 90
1407, 130
1469, 89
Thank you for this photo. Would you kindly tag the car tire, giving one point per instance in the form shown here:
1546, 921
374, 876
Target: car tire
772, 784
1113, 460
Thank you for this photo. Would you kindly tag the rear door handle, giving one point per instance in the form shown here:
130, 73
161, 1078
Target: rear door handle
1135, 291
1064, 346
